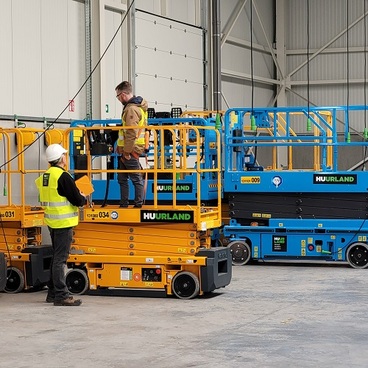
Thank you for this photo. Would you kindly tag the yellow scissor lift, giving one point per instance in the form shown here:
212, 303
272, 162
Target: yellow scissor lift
21, 224
159, 249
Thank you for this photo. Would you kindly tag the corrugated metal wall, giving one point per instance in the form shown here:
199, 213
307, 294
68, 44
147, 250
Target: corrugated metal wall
238, 49
337, 74
43, 53
43, 59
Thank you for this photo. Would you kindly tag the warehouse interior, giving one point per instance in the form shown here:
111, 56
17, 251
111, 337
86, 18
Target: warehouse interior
273, 53
195, 55
251, 245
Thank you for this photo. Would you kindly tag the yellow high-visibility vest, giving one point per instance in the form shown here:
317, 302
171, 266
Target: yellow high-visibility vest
140, 138
59, 212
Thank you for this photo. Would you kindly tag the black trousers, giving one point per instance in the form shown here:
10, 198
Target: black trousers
136, 178
61, 241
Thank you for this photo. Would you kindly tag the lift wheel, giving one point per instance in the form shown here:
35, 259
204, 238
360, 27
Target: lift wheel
240, 252
77, 281
185, 285
357, 255
15, 281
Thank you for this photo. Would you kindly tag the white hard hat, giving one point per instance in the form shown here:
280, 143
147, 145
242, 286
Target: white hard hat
54, 152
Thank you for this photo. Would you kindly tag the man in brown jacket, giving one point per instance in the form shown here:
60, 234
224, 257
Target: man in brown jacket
131, 143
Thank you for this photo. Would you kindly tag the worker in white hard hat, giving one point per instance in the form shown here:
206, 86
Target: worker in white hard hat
60, 198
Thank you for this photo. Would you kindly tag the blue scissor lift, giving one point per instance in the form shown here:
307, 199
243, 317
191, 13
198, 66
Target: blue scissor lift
102, 145
288, 198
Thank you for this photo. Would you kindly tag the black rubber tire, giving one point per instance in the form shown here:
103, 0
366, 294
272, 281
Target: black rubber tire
240, 252
357, 255
185, 285
77, 281
14, 281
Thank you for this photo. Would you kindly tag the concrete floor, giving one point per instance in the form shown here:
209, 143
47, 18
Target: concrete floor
269, 316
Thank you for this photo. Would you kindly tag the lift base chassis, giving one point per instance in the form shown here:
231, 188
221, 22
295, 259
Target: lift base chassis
183, 276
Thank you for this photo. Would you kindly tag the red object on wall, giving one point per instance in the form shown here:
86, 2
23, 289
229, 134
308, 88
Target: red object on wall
71, 105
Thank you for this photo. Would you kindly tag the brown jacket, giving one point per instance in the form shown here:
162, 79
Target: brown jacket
131, 116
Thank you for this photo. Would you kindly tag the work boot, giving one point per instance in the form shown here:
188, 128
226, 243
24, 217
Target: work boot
49, 299
70, 302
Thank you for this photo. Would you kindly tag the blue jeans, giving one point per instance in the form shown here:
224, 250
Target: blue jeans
61, 241
136, 178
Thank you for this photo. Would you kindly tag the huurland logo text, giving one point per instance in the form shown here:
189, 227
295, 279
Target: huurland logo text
167, 216
168, 188
334, 179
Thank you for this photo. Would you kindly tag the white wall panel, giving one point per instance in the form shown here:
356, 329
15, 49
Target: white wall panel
42, 63
167, 66
54, 58
178, 10
76, 73
114, 62
152, 6
183, 11
169, 63
6, 59
27, 57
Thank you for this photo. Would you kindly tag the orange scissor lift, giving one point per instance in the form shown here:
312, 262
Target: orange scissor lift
160, 249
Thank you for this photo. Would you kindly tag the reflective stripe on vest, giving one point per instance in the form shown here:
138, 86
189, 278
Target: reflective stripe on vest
54, 204
140, 138
65, 216
59, 212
